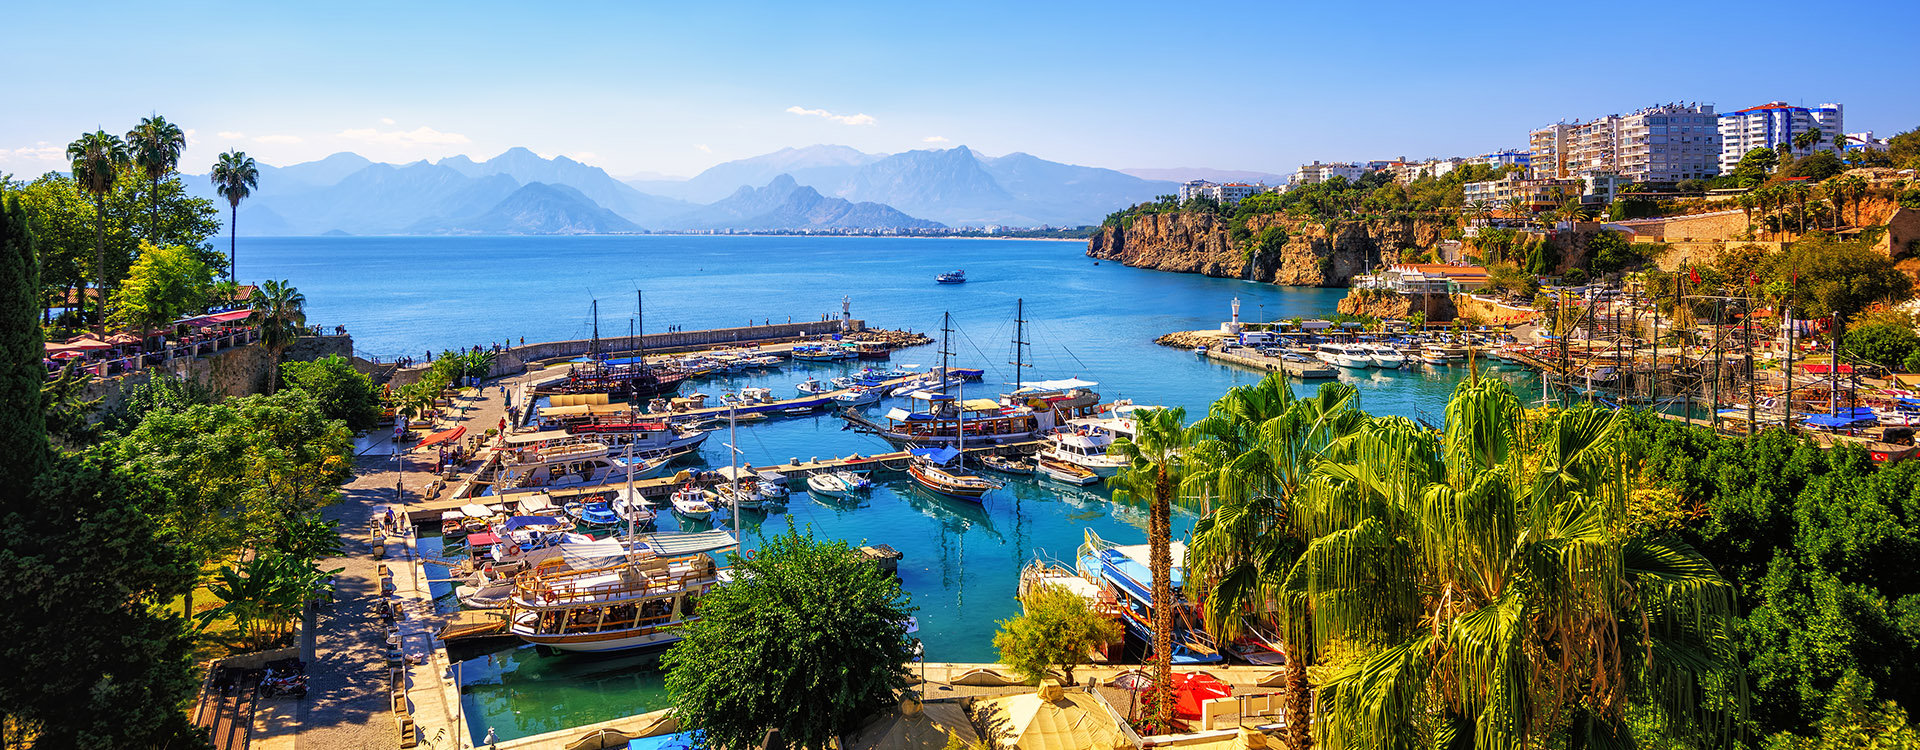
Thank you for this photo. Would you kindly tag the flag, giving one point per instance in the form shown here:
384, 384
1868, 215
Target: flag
1693, 275
1753, 279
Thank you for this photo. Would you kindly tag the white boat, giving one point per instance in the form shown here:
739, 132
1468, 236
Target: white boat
689, 503
837, 483
1433, 356
812, 387
859, 396
1062, 471
1085, 445
624, 603
1384, 356
773, 485
745, 497
1343, 355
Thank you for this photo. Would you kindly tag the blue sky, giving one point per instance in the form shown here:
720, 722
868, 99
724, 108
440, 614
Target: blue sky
676, 87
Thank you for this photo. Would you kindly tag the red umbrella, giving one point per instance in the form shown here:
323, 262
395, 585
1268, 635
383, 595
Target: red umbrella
69, 354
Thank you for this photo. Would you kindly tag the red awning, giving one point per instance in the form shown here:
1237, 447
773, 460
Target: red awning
481, 539
1845, 369
229, 316
78, 345
442, 436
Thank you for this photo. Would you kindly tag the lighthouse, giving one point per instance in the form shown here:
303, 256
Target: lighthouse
1233, 327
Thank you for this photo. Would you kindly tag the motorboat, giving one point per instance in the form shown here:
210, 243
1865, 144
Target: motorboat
813, 387
1124, 573
689, 503
1013, 465
564, 465
1085, 445
744, 497
453, 523
839, 482
1344, 355
773, 485
594, 515
859, 395
749, 396
952, 277
1063, 471
1384, 356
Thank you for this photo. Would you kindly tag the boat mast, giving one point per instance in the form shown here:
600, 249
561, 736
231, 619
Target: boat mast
733, 462
633, 501
1019, 344
946, 328
593, 346
640, 322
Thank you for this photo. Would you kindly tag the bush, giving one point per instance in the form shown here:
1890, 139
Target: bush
1057, 629
342, 392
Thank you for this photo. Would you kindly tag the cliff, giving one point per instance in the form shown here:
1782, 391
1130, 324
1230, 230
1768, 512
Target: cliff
1386, 305
1315, 254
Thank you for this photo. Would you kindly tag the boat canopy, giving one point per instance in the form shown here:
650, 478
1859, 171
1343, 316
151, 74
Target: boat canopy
596, 554
941, 456
1843, 418
475, 510
481, 539
541, 436
980, 404
520, 522
690, 542
898, 414
582, 410
730, 473
1055, 385
536, 502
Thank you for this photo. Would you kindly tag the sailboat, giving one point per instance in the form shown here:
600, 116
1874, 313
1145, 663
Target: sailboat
943, 470
629, 377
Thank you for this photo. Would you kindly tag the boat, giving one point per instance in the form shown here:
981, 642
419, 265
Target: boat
689, 503
1344, 355
745, 497
1045, 573
935, 470
872, 349
594, 515
1384, 356
772, 484
1124, 574
1013, 465
1433, 356
859, 396
1086, 445
564, 465
952, 277
826, 352
628, 602
649, 439
749, 396
812, 387
1063, 471
1307, 367
453, 523
837, 483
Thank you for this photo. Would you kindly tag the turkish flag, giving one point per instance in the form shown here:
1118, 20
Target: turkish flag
1693, 275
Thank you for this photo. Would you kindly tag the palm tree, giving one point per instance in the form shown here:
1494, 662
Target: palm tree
1252, 456
280, 311
155, 146
97, 159
234, 177
1490, 563
1152, 475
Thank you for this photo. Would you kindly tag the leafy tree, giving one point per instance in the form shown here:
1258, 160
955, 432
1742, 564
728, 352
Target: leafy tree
809, 638
235, 177
1854, 720
1817, 166
1612, 252
23, 434
1755, 166
154, 146
1058, 628
62, 218
1152, 475
1885, 344
157, 392
69, 412
281, 312
342, 392
1509, 279
97, 159
1829, 276
164, 284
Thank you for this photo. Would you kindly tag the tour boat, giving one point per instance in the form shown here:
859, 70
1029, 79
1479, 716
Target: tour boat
688, 503
938, 471
1063, 471
952, 277
872, 349
625, 603
1008, 464
564, 465
1124, 572
593, 515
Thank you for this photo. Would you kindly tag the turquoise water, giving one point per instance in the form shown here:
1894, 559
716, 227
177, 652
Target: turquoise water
405, 295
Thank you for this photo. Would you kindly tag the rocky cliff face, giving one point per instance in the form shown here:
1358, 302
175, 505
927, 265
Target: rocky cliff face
1315, 254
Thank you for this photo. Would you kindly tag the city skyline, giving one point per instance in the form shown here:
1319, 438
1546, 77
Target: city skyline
674, 91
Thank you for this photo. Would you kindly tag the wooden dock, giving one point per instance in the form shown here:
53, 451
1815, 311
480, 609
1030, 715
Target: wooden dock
474, 624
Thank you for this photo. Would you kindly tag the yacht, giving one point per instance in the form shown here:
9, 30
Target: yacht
859, 395
1086, 446
1384, 356
1344, 355
813, 387
952, 277
690, 503
565, 465
1123, 573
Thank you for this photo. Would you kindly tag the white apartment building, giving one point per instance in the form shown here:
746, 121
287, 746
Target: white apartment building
1192, 189
1504, 158
1227, 194
1865, 141
1315, 173
1774, 125
1667, 143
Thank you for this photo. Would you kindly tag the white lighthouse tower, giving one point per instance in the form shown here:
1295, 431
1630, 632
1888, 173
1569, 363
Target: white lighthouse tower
1233, 327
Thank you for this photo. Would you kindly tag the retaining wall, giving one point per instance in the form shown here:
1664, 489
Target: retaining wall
239, 371
514, 360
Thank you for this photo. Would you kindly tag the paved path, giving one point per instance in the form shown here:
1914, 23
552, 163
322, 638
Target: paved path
348, 705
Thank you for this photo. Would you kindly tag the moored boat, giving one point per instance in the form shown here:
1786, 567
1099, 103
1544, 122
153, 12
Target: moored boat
938, 471
1123, 570
689, 503
1063, 471
627, 603
1013, 465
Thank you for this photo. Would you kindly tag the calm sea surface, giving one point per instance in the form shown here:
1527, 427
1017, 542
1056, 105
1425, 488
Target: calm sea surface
403, 296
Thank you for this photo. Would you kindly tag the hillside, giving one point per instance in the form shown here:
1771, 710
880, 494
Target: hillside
785, 204
536, 208
1314, 254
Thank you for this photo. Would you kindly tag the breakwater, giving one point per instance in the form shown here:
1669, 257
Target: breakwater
515, 359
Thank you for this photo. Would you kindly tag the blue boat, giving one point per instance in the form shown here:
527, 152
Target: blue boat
594, 515
1123, 570
952, 277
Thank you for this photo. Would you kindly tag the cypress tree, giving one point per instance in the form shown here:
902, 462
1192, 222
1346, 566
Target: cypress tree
23, 424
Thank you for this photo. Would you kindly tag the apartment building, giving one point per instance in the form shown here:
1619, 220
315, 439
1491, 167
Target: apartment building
1534, 195
1662, 144
1774, 125
1504, 158
1315, 173
1227, 194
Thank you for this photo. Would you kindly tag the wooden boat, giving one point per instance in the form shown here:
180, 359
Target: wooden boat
746, 497
1124, 572
1013, 465
453, 523
937, 471
628, 603
1063, 471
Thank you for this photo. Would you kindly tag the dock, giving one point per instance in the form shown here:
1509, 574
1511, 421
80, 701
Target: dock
1257, 361
470, 625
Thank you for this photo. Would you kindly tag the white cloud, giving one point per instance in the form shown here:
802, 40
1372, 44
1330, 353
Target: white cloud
278, 138
860, 119
704, 148
231, 135
190, 139
42, 151
934, 139
386, 121
420, 136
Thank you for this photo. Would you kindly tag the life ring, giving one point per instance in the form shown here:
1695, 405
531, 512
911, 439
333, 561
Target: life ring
750, 554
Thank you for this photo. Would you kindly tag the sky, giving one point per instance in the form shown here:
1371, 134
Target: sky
673, 88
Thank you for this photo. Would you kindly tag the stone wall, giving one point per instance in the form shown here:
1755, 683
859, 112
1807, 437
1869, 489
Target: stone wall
238, 371
1714, 227
1490, 311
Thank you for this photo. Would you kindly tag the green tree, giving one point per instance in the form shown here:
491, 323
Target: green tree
96, 160
1885, 344
1755, 166
1854, 720
1612, 252
1058, 628
235, 177
163, 284
810, 638
23, 434
62, 219
1829, 276
154, 146
1152, 475
155, 393
281, 313
1489, 565
342, 392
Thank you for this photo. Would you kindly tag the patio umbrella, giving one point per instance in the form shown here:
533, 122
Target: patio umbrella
68, 354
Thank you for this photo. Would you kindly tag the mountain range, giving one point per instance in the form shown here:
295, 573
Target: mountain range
813, 188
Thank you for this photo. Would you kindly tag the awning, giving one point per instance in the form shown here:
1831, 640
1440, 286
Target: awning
229, 316
476, 510
980, 404
520, 522
536, 437
481, 539
443, 436
941, 456
78, 345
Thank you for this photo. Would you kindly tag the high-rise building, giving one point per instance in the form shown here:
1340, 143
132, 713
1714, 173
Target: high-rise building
1774, 125
1663, 144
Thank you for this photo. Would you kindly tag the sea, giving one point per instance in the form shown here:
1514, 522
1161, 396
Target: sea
408, 296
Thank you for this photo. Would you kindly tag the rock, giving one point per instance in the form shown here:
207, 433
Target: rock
1315, 254
1387, 305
